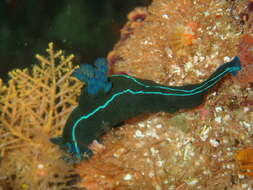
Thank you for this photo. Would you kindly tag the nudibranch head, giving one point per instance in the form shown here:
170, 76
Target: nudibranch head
236, 65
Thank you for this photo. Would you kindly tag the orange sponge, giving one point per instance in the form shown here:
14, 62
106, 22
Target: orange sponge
246, 56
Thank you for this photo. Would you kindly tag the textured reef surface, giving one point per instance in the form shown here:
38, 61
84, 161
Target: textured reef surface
178, 42
172, 42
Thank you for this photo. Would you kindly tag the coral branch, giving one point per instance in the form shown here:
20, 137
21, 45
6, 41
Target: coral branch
34, 105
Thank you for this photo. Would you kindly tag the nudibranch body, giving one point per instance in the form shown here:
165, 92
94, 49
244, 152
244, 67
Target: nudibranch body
108, 101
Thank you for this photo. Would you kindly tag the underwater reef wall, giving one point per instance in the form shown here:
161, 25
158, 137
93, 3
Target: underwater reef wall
176, 42
172, 42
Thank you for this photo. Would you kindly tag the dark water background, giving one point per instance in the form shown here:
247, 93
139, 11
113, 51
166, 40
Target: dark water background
87, 28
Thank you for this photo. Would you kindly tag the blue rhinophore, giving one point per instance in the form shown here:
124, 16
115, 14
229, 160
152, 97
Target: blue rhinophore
95, 77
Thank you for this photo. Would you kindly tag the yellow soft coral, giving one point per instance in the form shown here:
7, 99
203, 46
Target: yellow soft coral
34, 107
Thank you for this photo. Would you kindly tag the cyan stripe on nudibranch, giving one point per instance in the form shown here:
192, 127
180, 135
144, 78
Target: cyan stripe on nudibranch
99, 105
